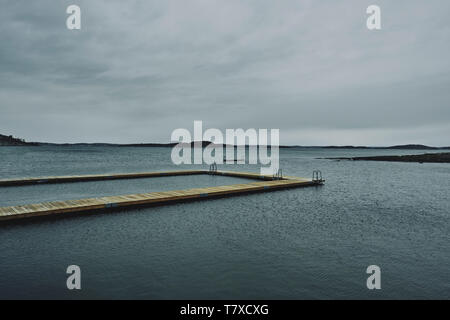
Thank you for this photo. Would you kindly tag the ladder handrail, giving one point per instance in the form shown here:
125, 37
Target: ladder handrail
317, 176
278, 175
213, 168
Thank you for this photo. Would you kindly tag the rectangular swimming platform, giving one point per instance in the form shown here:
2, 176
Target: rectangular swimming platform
265, 183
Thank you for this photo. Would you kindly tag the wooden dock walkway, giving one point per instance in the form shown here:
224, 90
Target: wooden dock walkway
266, 183
94, 177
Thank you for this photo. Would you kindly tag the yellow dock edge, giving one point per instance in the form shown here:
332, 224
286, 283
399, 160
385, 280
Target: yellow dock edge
155, 198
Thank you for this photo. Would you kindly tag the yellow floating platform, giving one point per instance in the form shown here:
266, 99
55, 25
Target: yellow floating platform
268, 183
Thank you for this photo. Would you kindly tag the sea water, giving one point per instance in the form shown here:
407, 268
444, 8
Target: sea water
303, 243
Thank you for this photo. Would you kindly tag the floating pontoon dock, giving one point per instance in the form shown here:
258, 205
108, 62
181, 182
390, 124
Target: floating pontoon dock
267, 183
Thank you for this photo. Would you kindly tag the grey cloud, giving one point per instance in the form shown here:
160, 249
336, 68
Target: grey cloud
139, 69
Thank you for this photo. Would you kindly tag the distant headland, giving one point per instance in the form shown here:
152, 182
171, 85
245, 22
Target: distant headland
13, 141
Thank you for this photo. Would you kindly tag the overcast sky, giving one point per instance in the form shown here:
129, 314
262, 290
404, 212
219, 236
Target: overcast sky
137, 70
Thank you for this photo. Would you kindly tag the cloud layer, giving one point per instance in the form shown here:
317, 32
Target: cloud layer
137, 70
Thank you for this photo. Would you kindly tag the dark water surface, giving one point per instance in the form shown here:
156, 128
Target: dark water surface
299, 243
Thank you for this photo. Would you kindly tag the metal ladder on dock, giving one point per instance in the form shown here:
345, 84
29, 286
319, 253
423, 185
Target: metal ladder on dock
278, 175
213, 168
317, 176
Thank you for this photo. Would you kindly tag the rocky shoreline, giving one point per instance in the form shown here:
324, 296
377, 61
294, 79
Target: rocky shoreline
443, 157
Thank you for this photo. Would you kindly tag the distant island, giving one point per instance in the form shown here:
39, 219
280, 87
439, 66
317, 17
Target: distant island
421, 158
12, 141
